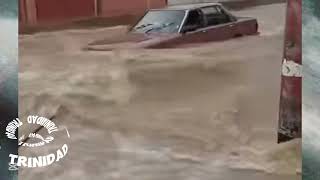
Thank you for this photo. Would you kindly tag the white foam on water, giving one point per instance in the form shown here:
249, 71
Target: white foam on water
196, 113
311, 85
8, 57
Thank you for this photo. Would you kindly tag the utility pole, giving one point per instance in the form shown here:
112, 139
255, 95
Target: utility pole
148, 4
31, 12
291, 79
96, 8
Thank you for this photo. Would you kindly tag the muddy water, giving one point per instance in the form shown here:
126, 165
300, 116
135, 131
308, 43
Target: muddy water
207, 112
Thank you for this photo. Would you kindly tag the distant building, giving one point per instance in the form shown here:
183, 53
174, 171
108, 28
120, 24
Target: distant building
35, 12
176, 2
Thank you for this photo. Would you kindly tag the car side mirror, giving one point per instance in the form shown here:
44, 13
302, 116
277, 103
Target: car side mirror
189, 28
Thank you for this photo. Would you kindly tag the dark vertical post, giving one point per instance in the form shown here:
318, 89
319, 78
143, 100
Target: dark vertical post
290, 96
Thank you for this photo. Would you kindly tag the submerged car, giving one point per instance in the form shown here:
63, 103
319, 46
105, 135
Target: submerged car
180, 25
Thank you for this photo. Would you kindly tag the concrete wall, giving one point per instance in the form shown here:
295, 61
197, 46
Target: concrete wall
64, 10
120, 7
174, 2
41, 12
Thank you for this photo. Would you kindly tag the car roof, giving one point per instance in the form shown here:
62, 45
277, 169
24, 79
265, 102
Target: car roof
188, 6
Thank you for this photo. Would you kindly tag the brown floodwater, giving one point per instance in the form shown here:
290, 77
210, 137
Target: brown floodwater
205, 112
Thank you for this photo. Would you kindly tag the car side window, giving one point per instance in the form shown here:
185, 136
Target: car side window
215, 15
193, 22
194, 18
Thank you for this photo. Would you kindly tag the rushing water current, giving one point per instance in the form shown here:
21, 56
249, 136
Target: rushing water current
204, 112
311, 91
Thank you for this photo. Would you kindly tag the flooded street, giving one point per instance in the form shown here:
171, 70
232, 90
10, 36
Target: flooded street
206, 112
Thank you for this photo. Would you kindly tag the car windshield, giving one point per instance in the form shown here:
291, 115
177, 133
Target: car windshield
163, 21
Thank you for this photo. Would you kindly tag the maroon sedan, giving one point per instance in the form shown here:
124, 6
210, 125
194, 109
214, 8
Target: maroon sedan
180, 25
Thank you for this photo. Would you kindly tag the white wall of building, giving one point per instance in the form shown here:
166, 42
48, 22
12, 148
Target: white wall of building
173, 2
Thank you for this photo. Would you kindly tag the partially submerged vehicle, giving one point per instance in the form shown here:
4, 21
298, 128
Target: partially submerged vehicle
179, 25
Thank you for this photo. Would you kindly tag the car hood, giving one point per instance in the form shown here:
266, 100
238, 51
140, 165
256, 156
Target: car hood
129, 40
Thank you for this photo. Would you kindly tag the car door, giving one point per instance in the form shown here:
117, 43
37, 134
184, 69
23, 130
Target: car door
219, 25
192, 28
